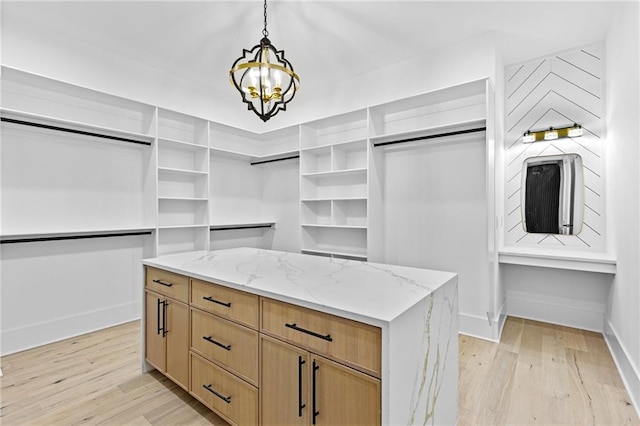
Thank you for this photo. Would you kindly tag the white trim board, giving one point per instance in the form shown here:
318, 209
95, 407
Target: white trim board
628, 371
556, 310
480, 327
34, 335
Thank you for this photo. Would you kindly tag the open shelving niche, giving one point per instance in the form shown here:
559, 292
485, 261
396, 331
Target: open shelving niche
236, 157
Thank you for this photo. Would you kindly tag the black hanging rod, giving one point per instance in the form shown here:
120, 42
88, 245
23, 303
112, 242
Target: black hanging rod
75, 131
234, 227
253, 163
437, 135
72, 237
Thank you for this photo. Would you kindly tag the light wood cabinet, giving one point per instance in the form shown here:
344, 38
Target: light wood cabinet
226, 343
255, 360
232, 398
300, 388
167, 336
350, 342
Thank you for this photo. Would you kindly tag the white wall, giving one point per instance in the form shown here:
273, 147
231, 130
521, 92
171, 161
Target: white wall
435, 215
54, 290
622, 327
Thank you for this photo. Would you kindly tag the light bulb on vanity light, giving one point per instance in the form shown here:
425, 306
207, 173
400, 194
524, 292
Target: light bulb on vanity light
529, 137
575, 131
550, 134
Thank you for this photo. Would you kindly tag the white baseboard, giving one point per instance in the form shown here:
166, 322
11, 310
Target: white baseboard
628, 371
34, 335
556, 310
481, 327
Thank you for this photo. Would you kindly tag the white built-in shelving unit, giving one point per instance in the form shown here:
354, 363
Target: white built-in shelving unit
334, 180
183, 184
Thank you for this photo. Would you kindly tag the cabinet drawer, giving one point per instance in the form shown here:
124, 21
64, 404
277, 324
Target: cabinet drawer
167, 283
227, 343
226, 302
232, 398
351, 342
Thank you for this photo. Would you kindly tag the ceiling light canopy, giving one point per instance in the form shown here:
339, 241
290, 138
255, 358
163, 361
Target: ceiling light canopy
265, 79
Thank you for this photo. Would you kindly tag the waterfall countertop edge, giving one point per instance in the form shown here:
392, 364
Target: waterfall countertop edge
373, 293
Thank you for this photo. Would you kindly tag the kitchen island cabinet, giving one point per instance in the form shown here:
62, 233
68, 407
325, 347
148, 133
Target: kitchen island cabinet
333, 340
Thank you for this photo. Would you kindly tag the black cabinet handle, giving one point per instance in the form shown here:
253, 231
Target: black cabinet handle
164, 283
164, 318
226, 399
312, 333
301, 405
210, 340
160, 302
162, 322
313, 392
211, 299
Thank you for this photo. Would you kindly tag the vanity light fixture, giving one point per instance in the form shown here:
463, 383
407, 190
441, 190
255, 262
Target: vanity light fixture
265, 79
552, 134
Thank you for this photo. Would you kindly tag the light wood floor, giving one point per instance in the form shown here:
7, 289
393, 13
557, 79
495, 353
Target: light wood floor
539, 374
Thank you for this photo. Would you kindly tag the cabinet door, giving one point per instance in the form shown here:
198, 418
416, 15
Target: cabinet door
343, 396
284, 384
154, 336
177, 335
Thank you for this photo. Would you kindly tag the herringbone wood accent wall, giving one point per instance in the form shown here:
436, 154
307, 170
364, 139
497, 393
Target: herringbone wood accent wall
557, 91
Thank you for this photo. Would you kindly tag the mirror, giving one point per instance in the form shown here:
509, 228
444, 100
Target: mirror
553, 194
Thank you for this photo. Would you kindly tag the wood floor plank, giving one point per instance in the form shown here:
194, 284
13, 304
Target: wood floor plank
538, 374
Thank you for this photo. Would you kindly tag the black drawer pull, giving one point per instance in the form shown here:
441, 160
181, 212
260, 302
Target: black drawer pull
164, 283
210, 340
211, 299
226, 399
312, 333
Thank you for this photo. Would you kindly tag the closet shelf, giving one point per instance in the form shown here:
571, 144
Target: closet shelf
311, 200
319, 225
200, 225
571, 260
253, 158
183, 145
429, 132
73, 235
329, 145
59, 124
171, 170
344, 172
184, 198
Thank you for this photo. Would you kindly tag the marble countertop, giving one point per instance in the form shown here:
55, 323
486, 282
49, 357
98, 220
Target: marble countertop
369, 292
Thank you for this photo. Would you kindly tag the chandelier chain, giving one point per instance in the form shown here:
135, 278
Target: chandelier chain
264, 31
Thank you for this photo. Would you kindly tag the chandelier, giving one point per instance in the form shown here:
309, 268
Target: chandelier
265, 79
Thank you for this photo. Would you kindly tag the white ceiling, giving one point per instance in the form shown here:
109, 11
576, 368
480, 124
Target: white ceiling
324, 40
